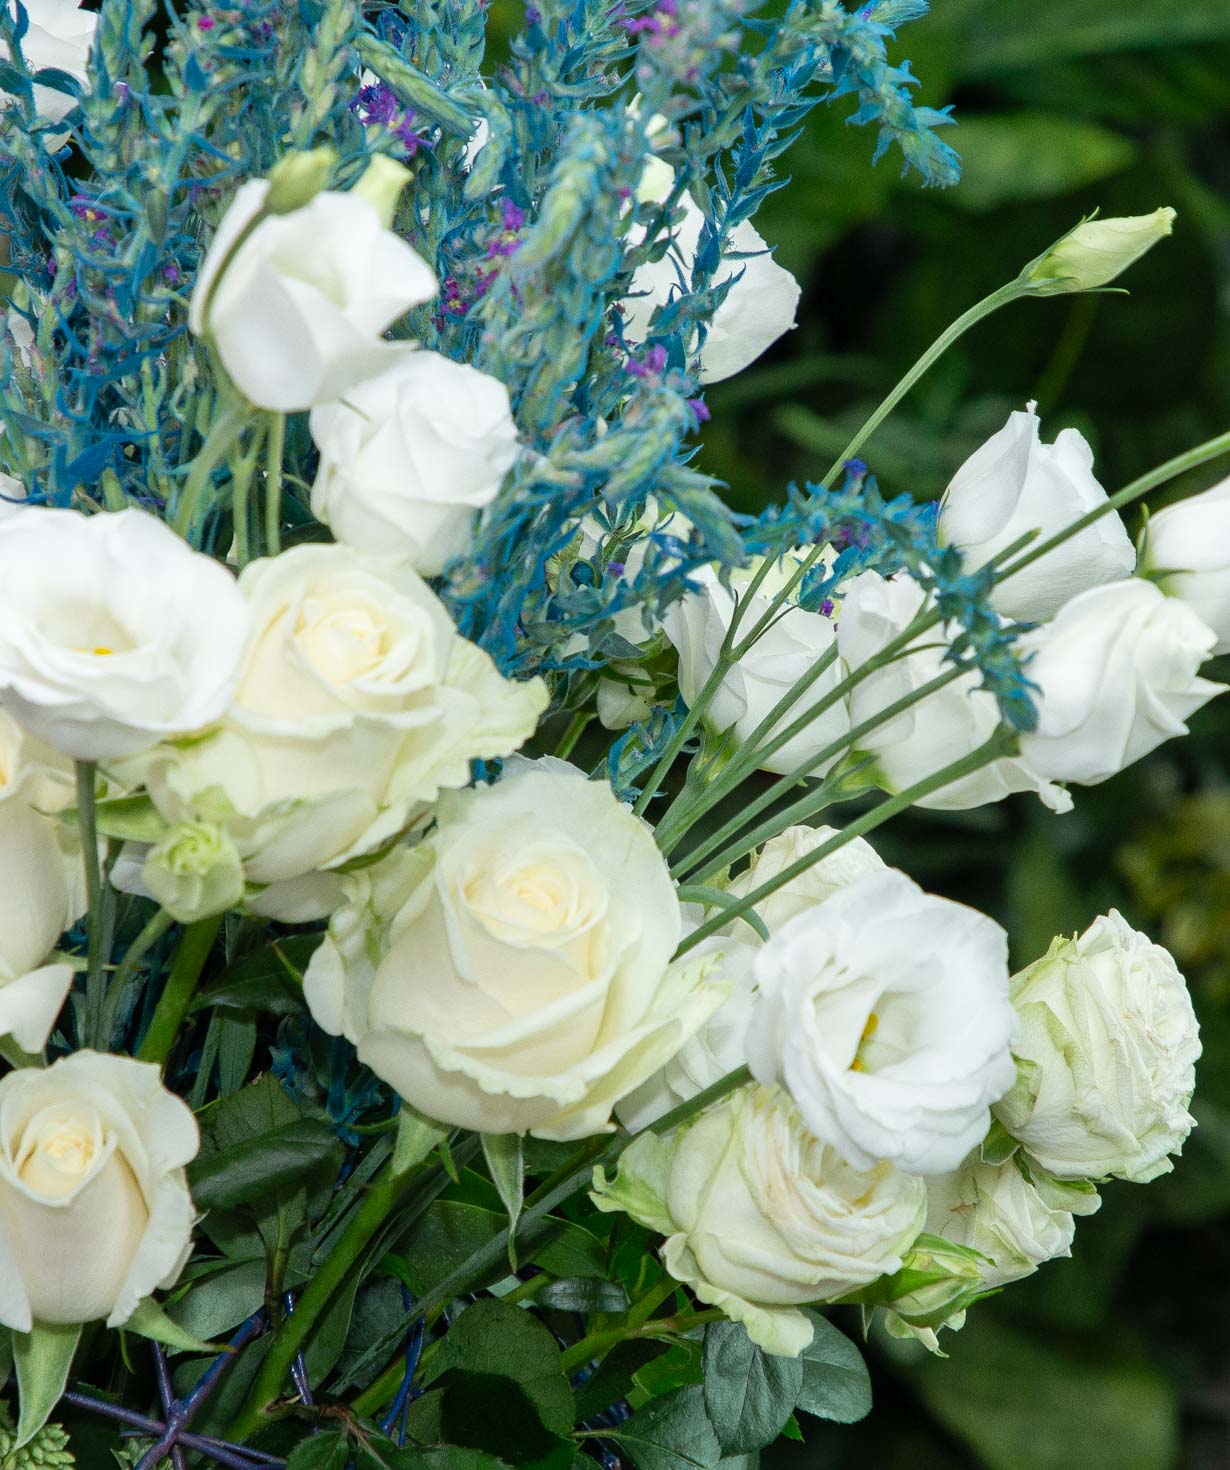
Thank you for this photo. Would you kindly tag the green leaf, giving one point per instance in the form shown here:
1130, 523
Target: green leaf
320, 1452
616, 1376
583, 1294
221, 1301
261, 1167
131, 818
671, 1433
269, 979
749, 1394
150, 1321
490, 1414
416, 1137
42, 1358
507, 1168
836, 1384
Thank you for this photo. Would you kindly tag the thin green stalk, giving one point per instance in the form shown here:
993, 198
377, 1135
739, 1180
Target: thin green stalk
273, 483
95, 982
1000, 744
153, 931
176, 999
15, 1056
576, 728
219, 442
1011, 292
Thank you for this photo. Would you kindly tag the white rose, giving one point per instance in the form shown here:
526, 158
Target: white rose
513, 972
1188, 554
302, 299
788, 650
58, 36
408, 458
759, 307
761, 1217
37, 899
1116, 676
357, 703
94, 1205
1107, 1051
1015, 484
856, 859
116, 633
884, 1012
941, 727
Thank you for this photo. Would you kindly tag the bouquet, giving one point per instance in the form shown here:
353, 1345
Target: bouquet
454, 1011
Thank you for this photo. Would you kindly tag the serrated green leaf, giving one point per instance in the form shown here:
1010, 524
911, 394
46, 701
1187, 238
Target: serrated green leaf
506, 1165
257, 1169
42, 1358
749, 1394
221, 1301
836, 1383
671, 1433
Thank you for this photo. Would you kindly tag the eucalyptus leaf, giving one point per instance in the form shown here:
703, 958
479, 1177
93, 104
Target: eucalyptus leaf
42, 1358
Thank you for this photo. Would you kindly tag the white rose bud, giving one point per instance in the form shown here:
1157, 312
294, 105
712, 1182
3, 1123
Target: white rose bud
1016, 484
759, 307
94, 1203
1187, 552
760, 1217
1116, 676
1095, 252
296, 303
36, 896
513, 972
409, 457
787, 651
357, 703
884, 1012
937, 729
59, 36
1106, 1052
194, 872
116, 633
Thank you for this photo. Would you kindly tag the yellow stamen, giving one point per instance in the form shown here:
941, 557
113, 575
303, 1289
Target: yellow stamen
872, 1026
102, 652
856, 1065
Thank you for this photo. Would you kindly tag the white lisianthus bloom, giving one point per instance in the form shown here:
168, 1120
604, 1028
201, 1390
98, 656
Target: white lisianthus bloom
94, 1206
759, 307
59, 36
788, 650
1016, 484
296, 303
1096, 252
941, 727
409, 457
1187, 552
1107, 1052
38, 900
1116, 676
760, 1217
884, 1012
358, 702
194, 872
116, 633
513, 972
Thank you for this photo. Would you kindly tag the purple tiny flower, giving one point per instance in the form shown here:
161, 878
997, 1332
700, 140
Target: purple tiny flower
655, 358
616, 568
701, 410
170, 273
826, 608
533, 16
514, 218
204, 23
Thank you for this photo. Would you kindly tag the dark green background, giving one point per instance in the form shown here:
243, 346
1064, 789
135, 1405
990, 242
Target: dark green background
1120, 1358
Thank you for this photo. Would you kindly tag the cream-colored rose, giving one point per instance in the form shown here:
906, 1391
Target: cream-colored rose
357, 703
760, 1217
38, 897
1106, 1056
94, 1205
513, 972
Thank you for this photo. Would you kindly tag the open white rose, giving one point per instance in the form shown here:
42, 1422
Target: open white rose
37, 899
1107, 1054
938, 729
59, 36
116, 633
1015, 484
785, 653
884, 1012
357, 703
408, 458
760, 1217
512, 973
1116, 676
296, 303
94, 1205
1188, 553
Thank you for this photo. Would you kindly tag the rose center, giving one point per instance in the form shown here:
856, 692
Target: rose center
345, 644
58, 1149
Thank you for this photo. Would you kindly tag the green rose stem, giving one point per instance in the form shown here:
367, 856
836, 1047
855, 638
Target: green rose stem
153, 931
87, 825
221, 440
573, 1176
599, 1343
176, 999
273, 483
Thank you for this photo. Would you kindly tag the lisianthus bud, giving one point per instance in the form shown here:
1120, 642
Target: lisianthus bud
1095, 252
1187, 552
381, 184
195, 871
297, 179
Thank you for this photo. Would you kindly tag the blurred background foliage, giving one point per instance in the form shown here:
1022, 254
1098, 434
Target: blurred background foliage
1118, 1359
